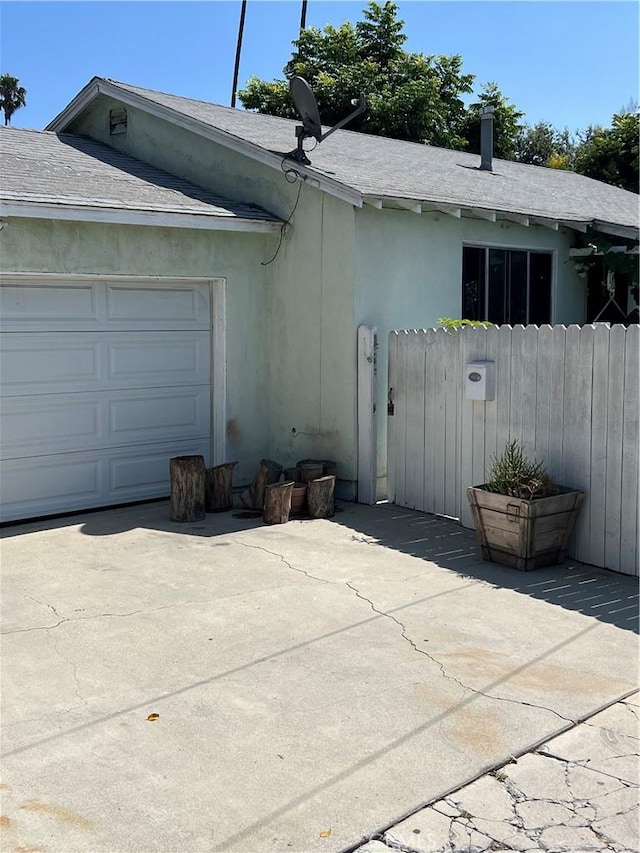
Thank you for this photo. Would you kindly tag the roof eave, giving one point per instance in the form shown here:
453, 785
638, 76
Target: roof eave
122, 216
451, 208
98, 85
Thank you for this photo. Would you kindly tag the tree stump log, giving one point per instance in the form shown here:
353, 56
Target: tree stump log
217, 487
310, 471
268, 473
320, 497
186, 475
292, 474
277, 502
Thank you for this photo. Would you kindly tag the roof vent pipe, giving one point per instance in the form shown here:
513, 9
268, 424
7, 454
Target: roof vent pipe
486, 138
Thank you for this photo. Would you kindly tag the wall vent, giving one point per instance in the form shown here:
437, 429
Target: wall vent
117, 121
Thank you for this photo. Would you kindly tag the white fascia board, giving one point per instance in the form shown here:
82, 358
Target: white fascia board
437, 207
576, 226
115, 216
75, 107
547, 223
228, 140
625, 231
520, 218
614, 250
373, 201
406, 204
481, 213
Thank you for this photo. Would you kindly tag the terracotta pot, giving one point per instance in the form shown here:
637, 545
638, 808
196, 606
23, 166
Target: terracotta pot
298, 499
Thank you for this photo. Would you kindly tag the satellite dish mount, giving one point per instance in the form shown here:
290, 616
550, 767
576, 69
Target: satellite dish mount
305, 103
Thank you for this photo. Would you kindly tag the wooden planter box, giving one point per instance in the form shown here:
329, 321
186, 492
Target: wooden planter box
524, 534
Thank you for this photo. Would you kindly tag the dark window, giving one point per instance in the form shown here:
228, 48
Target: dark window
473, 276
506, 285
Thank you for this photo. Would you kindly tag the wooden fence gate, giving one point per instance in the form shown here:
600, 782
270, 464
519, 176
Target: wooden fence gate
568, 394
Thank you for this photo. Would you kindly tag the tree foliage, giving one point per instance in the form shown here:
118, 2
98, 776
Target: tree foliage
420, 98
506, 123
611, 154
544, 145
12, 96
410, 96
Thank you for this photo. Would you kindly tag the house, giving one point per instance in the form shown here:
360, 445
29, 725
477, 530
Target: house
174, 283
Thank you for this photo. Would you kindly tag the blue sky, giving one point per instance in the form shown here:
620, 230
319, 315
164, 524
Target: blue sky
571, 63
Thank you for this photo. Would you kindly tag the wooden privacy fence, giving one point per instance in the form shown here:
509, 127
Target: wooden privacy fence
568, 394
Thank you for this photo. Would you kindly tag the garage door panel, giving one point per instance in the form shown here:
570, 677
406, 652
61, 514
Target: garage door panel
32, 487
30, 305
83, 361
181, 413
152, 359
147, 468
50, 362
49, 304
170, 304
49, 424
102, 382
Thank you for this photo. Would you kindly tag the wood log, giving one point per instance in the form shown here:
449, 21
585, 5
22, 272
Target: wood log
277, 502
186, 475
292, 474
310, 471
320, 497
217, 487
268, 472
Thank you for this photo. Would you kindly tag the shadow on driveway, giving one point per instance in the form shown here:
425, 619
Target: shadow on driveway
605, 595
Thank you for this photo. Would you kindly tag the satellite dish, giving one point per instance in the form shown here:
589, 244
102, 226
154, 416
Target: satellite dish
305, 103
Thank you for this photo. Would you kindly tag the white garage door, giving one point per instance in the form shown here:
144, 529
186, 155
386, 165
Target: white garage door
102, 382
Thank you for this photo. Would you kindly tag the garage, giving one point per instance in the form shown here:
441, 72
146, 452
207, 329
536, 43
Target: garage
103, 380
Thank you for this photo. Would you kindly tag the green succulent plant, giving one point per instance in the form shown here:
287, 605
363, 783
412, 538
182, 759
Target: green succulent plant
514, 475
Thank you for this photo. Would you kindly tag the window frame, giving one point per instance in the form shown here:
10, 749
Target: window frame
510, 247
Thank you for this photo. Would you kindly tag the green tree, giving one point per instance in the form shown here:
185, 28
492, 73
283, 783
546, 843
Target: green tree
409, 95
12, 96
506, 123
544, 145
611, 154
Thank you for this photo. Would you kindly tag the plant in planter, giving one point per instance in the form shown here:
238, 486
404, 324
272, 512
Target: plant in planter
522, 518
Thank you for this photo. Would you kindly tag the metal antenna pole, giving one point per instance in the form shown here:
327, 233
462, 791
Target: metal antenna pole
303, 16
243, 12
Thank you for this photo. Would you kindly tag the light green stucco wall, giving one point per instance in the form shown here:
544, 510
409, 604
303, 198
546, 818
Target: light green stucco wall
409, 273
40, 245
310, 349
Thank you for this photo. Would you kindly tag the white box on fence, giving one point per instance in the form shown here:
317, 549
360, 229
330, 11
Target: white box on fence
479, 380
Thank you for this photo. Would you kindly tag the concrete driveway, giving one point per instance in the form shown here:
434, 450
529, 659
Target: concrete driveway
313, 682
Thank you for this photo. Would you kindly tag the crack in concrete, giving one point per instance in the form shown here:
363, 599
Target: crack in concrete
74, 668
584, 765
42, 603
441, 667
463, 835
135, 612
282, 559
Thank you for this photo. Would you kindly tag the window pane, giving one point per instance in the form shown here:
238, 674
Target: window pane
497, 281
473, 289
517, 288
539, 287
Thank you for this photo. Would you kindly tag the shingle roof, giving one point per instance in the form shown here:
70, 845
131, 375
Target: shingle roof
75, 171
377, 166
